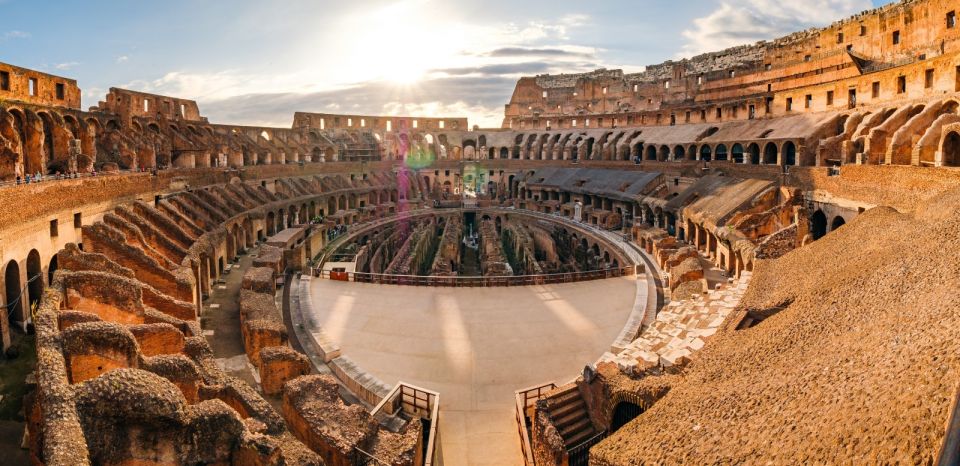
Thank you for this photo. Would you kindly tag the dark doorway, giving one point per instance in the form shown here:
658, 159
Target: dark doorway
818, 225
624, 412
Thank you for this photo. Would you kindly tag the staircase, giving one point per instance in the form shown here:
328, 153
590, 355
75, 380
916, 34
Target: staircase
569, 414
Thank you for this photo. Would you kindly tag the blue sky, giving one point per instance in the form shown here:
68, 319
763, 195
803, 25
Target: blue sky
249, 62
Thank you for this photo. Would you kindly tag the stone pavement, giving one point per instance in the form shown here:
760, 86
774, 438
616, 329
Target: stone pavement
681, 328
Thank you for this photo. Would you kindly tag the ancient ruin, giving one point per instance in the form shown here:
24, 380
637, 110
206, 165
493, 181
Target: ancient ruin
747, 256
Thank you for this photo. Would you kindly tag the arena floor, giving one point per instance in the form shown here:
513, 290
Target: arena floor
475, 346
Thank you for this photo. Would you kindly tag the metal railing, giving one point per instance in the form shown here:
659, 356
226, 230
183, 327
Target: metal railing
509, 280
579, 455
417, 403
525, 400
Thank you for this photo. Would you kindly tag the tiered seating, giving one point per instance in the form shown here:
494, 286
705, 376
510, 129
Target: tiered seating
681, 328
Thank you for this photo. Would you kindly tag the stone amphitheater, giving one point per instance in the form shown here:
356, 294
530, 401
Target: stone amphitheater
745, 257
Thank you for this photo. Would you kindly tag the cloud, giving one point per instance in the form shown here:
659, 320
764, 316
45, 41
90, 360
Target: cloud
540, 30
738, 22
479, 98
122, 59
498, 69
66, 66
510, 52
15, 34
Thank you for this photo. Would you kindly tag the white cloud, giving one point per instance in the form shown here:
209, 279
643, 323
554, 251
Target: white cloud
122, 59
66, 66
737, 22
470, 73
15, 34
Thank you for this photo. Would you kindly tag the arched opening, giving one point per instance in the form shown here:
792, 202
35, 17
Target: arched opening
837, 222
504, 153
664, 153
705, 153
623, 413
789, 153
651, 153
679, 153
34, 277
51, 269
271, 224
818, 225
770, 154
736, 153
754, 151
951, 150
721, 152
11, 279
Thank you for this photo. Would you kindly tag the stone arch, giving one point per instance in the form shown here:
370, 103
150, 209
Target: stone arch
52, 268
664, 153
789, 151
624, 412
754, 153
34, 278
818, 224
679, 153
837, 222
706, 153
12, 291
950, 152
736, 153
770, 153
720, 153
651, 152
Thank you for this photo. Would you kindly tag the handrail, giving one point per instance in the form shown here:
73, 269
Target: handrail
417, 394
522, 398
483, 281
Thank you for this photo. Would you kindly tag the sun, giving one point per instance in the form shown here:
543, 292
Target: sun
399, 43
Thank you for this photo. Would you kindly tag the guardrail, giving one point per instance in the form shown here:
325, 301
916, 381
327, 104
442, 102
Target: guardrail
415, 402
458, 281
526, 399
579, 455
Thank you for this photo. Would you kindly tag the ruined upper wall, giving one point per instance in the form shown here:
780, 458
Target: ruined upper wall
35, 87
129, 104
330, 121
725, 85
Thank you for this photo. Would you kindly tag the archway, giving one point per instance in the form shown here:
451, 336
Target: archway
11, 279
754, 150
818, 225
770, 154
951, 150
721, 152
623, 413
51, 269
35, 278
789, 153
651, 152
736, 153
664, 153
837, 222
705, 153
679, 153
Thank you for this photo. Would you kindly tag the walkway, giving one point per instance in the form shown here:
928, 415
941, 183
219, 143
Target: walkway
220, 321
475, 346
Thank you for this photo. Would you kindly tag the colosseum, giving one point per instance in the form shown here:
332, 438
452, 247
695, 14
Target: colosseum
742, 257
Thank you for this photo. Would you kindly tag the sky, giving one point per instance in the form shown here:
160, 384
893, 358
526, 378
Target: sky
257, 62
